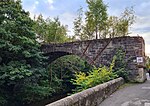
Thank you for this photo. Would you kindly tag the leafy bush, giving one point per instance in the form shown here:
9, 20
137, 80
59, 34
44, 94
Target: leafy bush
20, 55
3, 101
94, 77
63, 69
120, 67
33, 93
147, 59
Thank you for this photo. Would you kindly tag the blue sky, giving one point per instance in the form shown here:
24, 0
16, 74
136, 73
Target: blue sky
67, 11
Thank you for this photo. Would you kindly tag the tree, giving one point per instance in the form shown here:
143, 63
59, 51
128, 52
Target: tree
50, 31
119, 26
96, 18
97, 23
126, 20
40, 27
21, 62
79, 26
112, 25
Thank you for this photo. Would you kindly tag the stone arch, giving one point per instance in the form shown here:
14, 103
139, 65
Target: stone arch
52, 56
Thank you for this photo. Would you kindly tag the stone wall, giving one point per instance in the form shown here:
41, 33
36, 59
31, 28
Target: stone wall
92, 96
134, 47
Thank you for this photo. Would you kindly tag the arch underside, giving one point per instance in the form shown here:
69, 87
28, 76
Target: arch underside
52, 56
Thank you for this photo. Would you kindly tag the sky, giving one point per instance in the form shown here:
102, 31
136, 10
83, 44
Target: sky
66, 10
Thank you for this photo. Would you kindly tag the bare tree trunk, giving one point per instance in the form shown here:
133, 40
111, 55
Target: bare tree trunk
96, 33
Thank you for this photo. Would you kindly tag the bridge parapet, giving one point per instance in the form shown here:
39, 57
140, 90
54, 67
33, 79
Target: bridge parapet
92, 96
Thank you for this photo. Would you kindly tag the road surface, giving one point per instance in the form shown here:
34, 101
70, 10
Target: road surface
134, 95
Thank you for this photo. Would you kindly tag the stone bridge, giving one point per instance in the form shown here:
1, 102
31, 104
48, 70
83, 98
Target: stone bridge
101, 51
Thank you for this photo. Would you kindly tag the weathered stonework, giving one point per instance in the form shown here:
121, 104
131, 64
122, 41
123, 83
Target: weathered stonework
92, 96
133, 46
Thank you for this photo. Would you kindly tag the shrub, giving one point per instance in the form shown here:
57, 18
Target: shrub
120, 67
62, 71
94, 77
3, 101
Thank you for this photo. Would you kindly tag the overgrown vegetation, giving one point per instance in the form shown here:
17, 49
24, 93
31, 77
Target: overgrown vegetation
95, 23
94, 77
63, 69
147, 63
120, 66
50, 30
21, 62
102, 74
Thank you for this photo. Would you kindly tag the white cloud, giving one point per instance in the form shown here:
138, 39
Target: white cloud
34, 5
33, 8
50, 1
36, 2
30, 6
50, 4
142, 22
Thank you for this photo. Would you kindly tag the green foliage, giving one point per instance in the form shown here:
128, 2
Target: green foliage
97, 23
94, 77
63, 69
79, 26
20, 56
126, 20
13, 72
102, 74
30, 93
120, 67
50, 31
147, 63
2, 101
119, 26
96, 17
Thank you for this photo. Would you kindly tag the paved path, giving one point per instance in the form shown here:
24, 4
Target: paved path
134, 95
